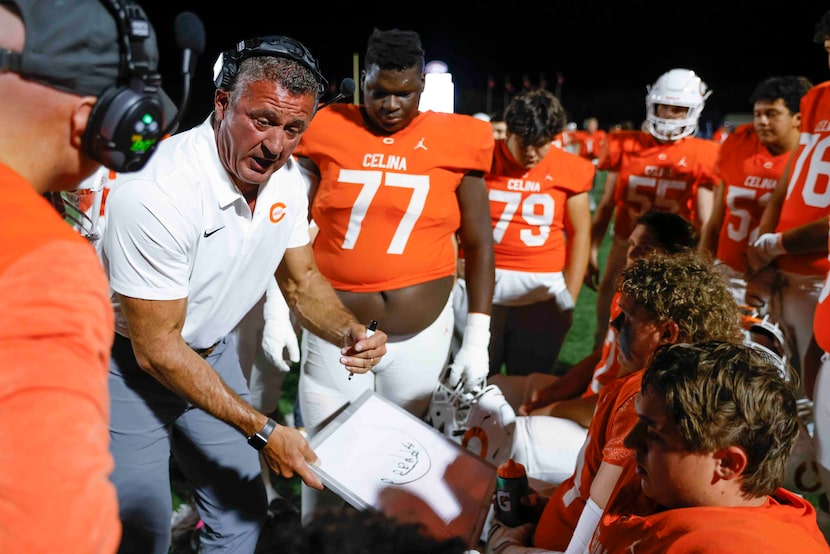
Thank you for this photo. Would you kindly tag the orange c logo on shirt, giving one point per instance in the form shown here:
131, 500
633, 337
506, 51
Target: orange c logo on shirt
277, 212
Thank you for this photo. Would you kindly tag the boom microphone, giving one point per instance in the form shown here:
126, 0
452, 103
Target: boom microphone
190, 37
346, 89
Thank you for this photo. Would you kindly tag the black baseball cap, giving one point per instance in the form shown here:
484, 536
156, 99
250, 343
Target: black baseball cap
75, 45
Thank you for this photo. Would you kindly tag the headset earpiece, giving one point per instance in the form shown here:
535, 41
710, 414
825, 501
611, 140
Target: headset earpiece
123, 128
228, 69
128, 119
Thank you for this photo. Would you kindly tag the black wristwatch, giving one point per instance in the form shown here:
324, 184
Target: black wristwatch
259, 439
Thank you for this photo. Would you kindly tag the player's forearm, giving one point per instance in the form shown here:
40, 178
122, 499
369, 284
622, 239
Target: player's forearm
772, 212
599, 225
811, 237
580, 410
577, 379
704, 203
604, 210
709, 239
710, 232
578, 246
579, 251
480, 276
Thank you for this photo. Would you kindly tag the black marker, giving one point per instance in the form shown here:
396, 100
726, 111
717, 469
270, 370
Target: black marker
373, 326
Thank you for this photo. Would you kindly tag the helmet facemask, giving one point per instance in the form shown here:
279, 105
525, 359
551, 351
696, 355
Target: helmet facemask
81, 208
767, 337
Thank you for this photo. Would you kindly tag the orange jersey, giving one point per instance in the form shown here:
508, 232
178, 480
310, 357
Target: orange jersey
528, 210
808, 192
386, 204
655, 176
632, 524
749, 174
721, 134
568, 140
591, 145
613, 419
56, 329
608, 366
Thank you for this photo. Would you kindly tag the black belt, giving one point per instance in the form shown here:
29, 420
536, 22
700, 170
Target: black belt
205, 352
121, 343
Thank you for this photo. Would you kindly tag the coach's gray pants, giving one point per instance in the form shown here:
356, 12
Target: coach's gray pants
149, 423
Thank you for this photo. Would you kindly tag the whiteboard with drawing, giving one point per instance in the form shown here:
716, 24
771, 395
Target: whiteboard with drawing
376, 455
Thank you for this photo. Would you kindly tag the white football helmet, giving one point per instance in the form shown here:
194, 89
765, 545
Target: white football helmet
677, 87
81, 207
767, 336
480, 420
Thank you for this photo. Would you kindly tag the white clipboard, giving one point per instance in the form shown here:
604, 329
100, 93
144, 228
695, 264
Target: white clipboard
376, 455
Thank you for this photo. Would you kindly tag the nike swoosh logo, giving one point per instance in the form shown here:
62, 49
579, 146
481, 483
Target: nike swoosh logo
214, 231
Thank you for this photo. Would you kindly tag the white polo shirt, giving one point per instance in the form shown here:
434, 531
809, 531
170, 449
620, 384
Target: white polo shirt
179, 228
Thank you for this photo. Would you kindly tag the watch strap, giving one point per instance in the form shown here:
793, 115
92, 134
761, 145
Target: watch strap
259, 439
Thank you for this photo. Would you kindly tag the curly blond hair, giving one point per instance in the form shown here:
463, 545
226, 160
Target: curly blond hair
685, 288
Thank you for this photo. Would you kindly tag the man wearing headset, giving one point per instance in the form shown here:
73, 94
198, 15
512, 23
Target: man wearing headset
57, 61
190, 244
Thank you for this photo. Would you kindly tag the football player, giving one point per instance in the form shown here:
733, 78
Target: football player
665, 168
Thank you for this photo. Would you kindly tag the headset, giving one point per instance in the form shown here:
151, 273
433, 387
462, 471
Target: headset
227, 65
128, 119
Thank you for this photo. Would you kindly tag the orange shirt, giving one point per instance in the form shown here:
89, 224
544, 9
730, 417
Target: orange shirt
808, 192
750, 174
613, 419
528, 208
569, 141
56, 329
591, 145
386, 204
632, 524
655, 176
721, 134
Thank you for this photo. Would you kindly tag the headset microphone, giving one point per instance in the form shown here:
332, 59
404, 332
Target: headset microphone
347, 87
190, 38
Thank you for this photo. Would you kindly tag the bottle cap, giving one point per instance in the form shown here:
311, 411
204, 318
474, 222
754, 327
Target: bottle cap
511, 469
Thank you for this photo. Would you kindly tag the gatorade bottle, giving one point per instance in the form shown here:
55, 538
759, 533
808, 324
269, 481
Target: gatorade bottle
511, 486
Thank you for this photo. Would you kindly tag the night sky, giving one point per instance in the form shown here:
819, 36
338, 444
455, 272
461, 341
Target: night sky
605, 55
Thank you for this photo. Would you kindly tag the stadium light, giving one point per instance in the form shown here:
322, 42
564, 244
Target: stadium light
439, 90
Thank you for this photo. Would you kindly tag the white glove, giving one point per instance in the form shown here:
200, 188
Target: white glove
278, 333
502, 539
767, 247
472, 363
